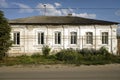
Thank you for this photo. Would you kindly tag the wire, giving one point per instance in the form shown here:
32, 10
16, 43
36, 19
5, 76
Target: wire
58, 8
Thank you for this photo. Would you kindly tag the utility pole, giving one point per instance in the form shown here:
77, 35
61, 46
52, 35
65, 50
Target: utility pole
45, 9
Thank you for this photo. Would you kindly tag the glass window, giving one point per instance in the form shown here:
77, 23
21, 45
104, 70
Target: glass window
89, 37
40, 38
57, 37
16, 37
73, 37
104, 37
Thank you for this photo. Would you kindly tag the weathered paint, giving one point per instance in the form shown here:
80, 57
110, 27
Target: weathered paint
28, 37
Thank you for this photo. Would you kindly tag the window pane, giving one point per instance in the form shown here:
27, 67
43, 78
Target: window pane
73, 38
16, 37
89, 38
41, 38
57, 37
38, 38
104, 37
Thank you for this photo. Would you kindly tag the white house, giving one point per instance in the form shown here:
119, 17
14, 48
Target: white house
61, 32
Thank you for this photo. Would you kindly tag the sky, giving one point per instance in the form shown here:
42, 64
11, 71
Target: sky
96, 9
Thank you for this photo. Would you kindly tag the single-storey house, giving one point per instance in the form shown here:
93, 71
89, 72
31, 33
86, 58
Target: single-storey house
61, 32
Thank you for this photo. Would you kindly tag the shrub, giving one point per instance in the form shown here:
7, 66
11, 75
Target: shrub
87, 52
24, 59
68, 55
46, 50
36, 55
53, 57
103, 51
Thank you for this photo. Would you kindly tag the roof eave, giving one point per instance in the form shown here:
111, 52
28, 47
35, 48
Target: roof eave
63, 23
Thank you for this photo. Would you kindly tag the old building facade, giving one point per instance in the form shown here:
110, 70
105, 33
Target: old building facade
61, 32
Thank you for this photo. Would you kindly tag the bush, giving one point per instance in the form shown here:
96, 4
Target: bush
46, 50
24, 59
87, 52
90, 52
36, 55
103, 51
68, 55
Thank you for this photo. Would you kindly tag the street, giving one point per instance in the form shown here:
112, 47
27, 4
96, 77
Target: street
62, 73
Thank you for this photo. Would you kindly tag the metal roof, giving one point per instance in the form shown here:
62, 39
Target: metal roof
57, 20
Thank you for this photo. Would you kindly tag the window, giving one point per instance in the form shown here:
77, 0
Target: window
89, 38
104, 37
16, 38
73, 37
57, 37
40, 38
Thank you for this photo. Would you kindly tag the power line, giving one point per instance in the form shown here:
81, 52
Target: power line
59, 8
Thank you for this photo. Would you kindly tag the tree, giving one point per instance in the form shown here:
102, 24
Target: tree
5, 41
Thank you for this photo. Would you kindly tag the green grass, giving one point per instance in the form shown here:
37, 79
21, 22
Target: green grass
68, 56
52, 59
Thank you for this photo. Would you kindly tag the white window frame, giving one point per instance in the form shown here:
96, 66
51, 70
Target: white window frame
16, 38
58, 37
41, 38
89, 37
105, 38
73, 37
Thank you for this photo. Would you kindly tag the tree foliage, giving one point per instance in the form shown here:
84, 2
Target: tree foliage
5, 30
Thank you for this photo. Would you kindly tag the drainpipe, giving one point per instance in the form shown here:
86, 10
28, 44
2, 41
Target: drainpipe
82, 42
79, 38
47, 36
63, 37
95, 36
24, 39
27, 39
111, 39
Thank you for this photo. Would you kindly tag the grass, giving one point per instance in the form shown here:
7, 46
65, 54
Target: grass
52, 59
67, 56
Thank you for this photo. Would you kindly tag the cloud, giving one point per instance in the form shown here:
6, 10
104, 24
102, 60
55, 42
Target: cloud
3, 3
66, 11
86, 15
49, 10
24, 8
117, 13
57, 4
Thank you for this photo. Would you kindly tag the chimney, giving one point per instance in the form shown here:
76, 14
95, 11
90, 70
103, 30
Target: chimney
70, 14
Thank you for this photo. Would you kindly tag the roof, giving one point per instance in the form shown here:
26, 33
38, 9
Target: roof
57, 20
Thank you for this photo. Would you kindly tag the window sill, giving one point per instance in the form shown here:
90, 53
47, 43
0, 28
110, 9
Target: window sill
39, 45
105, 44
89, 44
15, 45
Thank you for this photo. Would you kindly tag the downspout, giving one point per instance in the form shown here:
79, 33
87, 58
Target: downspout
24, 40
47, 36
79, 37
82, 42
63, 37
95, 36
111, 39
27, 39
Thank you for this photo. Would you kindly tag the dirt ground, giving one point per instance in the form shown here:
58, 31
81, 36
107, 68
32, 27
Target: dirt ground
59, 67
